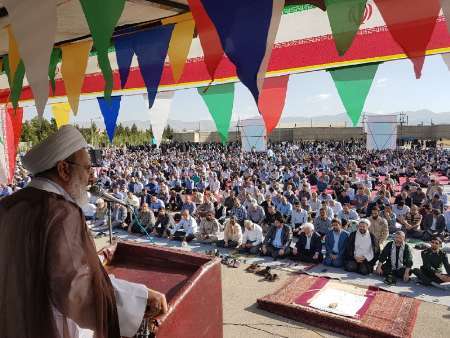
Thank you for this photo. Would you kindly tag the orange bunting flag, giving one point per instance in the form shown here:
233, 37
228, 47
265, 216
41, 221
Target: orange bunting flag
74, 61
13, 54
180, 43
61, 113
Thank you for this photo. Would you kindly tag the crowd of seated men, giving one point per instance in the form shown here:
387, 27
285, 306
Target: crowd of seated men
332, 202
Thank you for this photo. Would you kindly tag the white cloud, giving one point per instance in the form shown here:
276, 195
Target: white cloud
319, 97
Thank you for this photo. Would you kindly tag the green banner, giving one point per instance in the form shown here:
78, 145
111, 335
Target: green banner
55, 58
219, 99
345, 18
353, 84
102, 17
17, 83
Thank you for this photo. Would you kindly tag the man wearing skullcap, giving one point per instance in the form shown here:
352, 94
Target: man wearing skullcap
52, 283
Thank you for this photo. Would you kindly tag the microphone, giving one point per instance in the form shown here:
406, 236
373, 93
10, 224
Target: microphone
99, 192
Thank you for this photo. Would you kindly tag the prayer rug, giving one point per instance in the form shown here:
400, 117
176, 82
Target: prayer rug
338, 298
382, 314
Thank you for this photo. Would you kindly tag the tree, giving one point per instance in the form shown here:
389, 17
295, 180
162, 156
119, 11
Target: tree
168, 133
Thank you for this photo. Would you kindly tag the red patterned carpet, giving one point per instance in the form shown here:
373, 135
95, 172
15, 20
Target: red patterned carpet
387, 315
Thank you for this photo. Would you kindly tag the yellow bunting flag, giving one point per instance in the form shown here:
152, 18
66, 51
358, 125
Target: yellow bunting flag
180, 43
13, 54
73, 67
61, 113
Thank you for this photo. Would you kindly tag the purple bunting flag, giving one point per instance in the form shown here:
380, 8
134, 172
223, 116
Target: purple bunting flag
247, 31
150, 47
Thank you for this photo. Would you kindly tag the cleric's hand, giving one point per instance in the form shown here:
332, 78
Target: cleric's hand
156, 304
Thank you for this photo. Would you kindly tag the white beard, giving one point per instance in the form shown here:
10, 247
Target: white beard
78, 192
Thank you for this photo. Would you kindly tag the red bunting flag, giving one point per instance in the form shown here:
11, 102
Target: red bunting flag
411, 24
209, 39
272, 99
16, 116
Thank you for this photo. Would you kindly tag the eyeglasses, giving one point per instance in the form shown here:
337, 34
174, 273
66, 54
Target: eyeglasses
86, 167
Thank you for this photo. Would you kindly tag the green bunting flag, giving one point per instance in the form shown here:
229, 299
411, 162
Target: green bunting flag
353, 84
17, 83
55, 58
219, 99
345, 18
102, 17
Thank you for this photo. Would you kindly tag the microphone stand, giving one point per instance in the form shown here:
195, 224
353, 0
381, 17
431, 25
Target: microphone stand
110, 223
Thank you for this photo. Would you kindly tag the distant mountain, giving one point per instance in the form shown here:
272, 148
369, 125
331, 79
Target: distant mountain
418, 117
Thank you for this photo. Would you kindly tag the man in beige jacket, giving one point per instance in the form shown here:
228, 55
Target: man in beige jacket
378, 226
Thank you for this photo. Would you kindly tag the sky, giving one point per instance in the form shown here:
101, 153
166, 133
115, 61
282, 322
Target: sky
394, 89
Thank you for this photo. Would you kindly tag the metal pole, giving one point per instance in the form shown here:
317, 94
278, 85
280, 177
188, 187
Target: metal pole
110, 223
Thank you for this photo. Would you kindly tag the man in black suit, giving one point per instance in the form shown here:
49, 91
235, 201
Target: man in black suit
309, 245
278, 239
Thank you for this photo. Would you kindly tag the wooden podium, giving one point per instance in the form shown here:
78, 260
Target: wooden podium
191, 283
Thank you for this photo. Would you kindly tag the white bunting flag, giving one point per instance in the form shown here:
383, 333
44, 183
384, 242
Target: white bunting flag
159, 113
34, 26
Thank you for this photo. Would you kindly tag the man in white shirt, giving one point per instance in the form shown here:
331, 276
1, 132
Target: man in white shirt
252, 238
298, 218
400, 209
185, 230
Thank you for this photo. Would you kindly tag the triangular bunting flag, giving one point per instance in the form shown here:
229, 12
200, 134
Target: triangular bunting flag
159, 114
13, 55
446, 58
55, 58
318, 3
219, 99
345, 18
73, 67
102, 17
150, 48
34, 28
272, 100
353, 84
4, 163
61, 113
16, 83
180, 43
209, 39
411, 28
445, 4
16, 117
110, 111
247, 30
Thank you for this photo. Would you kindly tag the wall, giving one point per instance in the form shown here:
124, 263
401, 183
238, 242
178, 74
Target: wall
322, 133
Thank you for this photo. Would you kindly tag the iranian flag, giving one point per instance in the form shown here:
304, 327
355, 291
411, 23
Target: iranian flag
304, 43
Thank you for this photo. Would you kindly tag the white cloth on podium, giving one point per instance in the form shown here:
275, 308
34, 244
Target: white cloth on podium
131, 300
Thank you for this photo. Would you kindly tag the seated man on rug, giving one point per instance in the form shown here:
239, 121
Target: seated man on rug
308, 248
186, 229
162, 224
362, 249
322, 222
430, 273
335, 245
395, 260
434, 224
278, 240
144, 222
252, 238
411, 223
232, 235
299, 216
378, 226
209, 229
